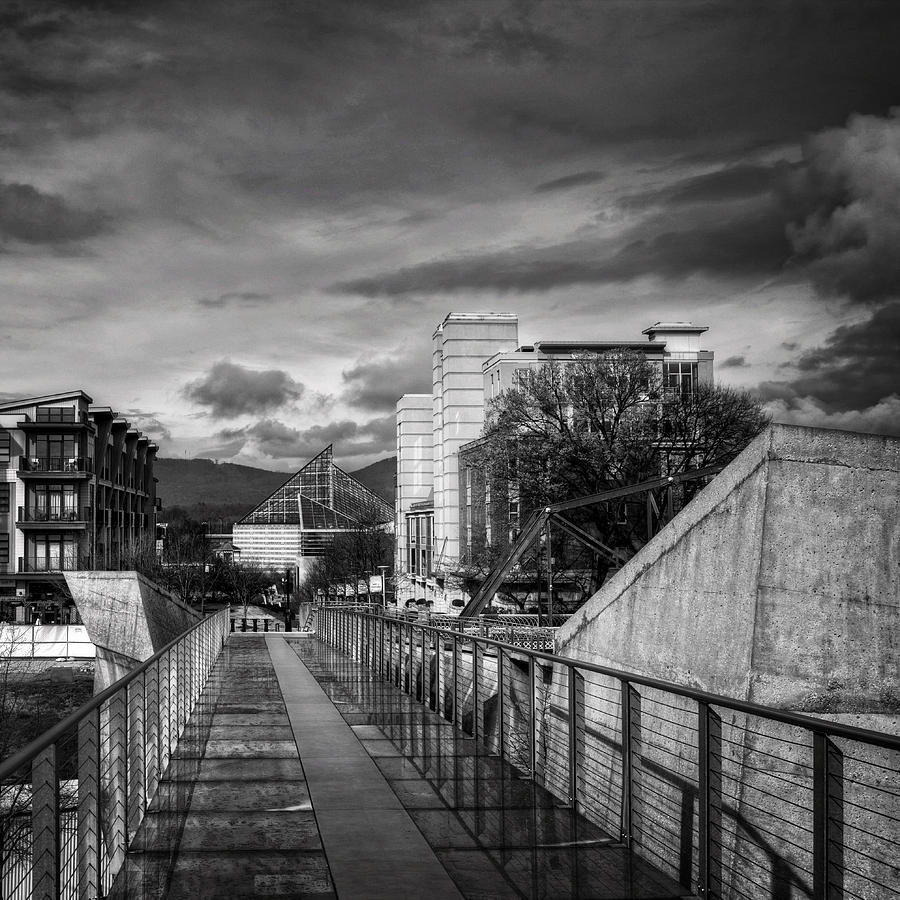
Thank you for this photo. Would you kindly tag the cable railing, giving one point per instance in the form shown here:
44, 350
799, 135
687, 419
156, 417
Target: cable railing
522, 630
72, 801
732, 799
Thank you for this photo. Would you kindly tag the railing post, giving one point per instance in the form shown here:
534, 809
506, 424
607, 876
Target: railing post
476, 731
709, 759
89, 811
828, 816
455, 718
424, 667
116, 785
45, 880
630, 749
501, 705
532, 715
575, 691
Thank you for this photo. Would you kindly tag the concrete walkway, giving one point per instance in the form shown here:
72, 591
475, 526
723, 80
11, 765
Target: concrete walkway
301, 774
372, 844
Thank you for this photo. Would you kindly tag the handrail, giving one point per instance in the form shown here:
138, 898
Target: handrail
820, 726
716, 772
18, 759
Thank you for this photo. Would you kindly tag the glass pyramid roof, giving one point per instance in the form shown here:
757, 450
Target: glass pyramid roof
321, 497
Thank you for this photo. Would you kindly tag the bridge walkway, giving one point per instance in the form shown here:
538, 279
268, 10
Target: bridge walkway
299, 775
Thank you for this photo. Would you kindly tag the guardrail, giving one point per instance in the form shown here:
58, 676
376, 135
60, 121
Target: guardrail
73, 799
733, 799
45, 641
522, 630
241, 624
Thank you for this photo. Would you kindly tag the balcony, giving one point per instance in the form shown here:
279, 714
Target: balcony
31, 564
56, 425
54, 518
55, 465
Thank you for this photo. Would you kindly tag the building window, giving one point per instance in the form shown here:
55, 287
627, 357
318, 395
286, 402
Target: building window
55, 414
680, 377
55, 446
47, 553
54, 502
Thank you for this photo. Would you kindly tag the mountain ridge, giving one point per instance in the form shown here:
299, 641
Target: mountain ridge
222, 493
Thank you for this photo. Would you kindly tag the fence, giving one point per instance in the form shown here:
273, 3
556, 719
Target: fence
72, 801
732, 799
45, 641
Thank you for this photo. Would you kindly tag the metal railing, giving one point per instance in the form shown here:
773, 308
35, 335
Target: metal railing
72, 801
732, 799
64, 515
256, 623
65, 562
79, 465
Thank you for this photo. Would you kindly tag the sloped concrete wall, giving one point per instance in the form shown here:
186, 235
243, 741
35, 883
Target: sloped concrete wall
127, 617
780, 583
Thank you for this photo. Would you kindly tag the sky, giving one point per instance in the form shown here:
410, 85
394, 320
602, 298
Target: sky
238, 223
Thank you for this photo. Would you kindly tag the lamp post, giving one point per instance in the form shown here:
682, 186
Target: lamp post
288, 587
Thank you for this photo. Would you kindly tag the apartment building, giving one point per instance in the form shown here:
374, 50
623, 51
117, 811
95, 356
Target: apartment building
476, 356
76, 492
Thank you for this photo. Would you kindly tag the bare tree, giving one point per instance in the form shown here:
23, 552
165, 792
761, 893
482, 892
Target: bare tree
241, 582
598, 422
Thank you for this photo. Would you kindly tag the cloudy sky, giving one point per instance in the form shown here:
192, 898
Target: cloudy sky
238, 222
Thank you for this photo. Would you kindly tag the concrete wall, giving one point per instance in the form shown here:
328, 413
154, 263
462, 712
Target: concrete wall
128, 618
780, 583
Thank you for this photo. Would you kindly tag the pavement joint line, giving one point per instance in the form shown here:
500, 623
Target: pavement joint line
373, 849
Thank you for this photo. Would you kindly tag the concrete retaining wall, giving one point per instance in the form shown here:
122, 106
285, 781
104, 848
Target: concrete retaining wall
128, 618
779, 584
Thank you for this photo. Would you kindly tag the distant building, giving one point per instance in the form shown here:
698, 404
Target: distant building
76, 492
299, 520
475, 357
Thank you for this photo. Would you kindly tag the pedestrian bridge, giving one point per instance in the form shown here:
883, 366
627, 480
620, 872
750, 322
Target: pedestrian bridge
379, 757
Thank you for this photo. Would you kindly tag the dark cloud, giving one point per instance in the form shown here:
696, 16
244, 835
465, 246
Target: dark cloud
733, 362
379, 384
33, 217
277, 440
748, 241
845, 202
729, 183
512, 38
569, 181
237, 298
230, 390
790, 346
858, 366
